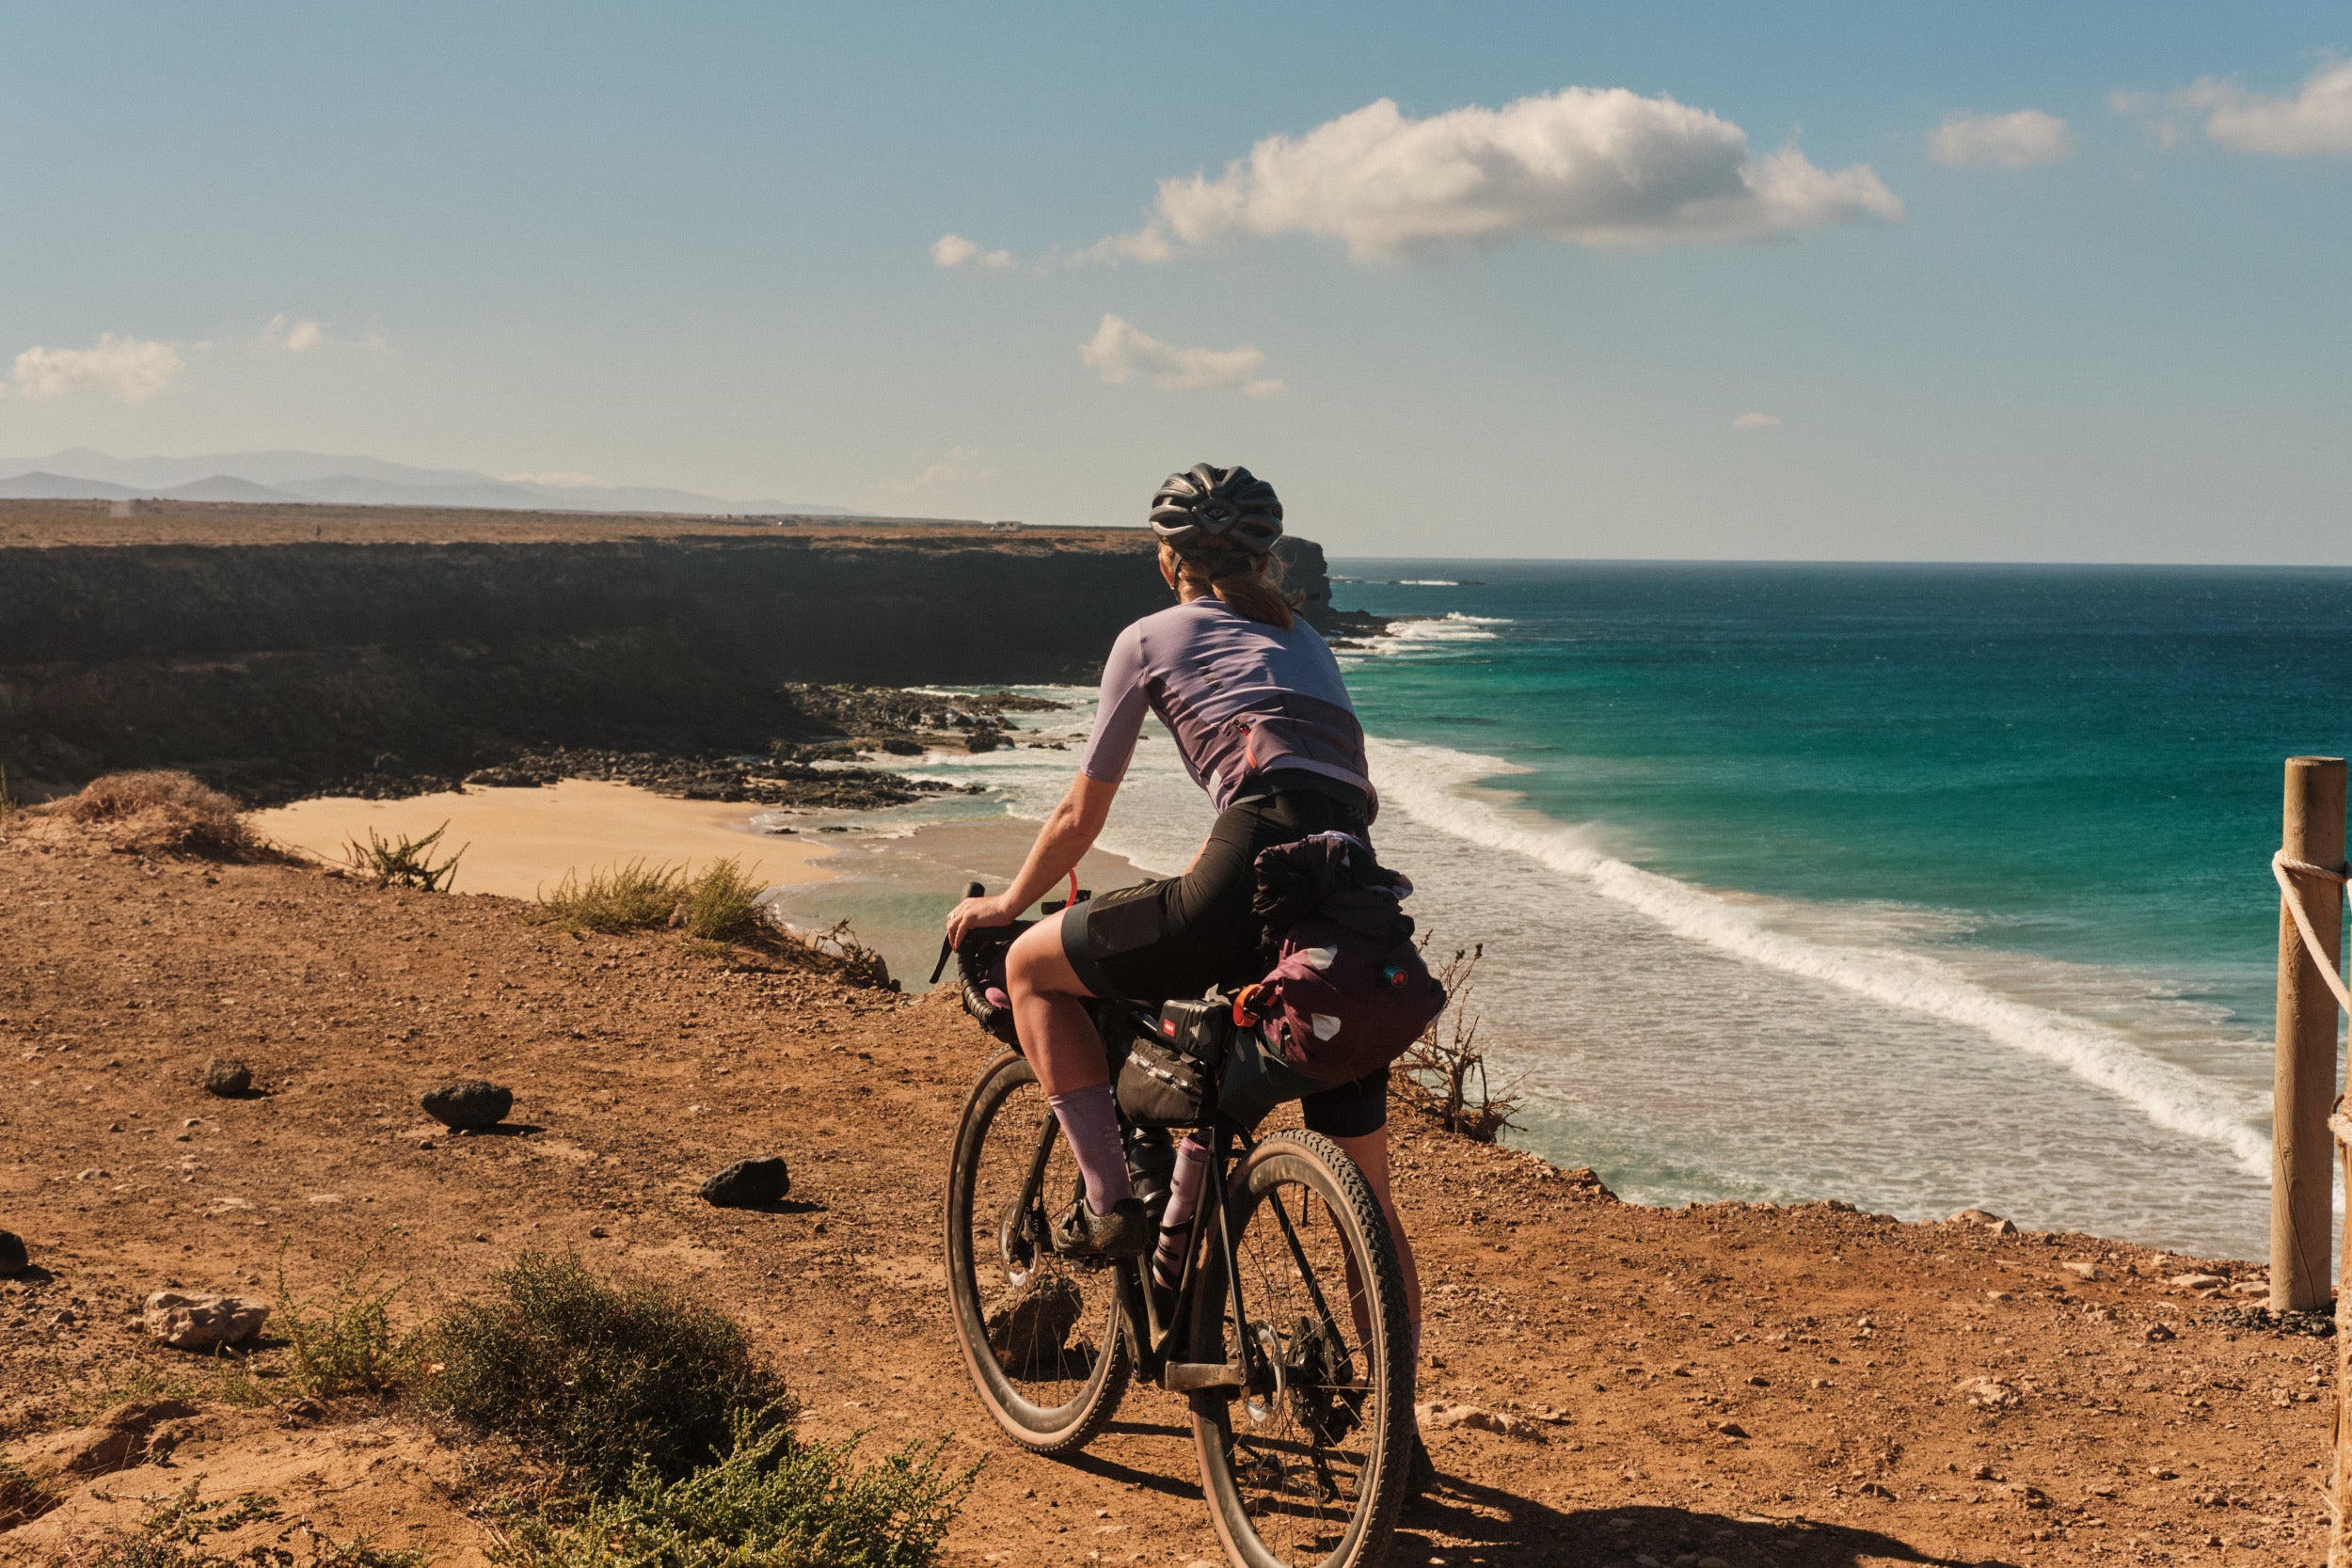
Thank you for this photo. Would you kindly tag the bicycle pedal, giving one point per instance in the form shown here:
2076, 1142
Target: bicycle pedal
1196, 1377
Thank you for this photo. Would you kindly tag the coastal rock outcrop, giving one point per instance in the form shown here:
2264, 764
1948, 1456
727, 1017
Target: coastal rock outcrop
471, 1106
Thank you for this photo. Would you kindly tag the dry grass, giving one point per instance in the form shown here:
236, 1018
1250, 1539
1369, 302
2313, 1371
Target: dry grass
632, 898
403, 861
718, 908
159, 813
1445, 1072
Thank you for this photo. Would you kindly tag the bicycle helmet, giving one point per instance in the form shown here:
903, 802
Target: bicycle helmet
1217, 509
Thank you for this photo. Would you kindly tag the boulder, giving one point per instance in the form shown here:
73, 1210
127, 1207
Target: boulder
1027, 1333
193, 1320
748, 1183
468, 1107
13, 1259
227, 1078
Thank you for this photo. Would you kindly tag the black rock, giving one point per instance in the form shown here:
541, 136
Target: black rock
12, 1258
470, 1106
748, 1183
227, 1078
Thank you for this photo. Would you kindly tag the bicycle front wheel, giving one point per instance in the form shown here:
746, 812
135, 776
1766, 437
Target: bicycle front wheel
1307, 1465
1042, 1337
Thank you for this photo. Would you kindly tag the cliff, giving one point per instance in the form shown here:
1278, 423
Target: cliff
219, 638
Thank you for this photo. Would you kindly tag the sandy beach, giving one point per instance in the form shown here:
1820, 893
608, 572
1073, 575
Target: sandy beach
517, 841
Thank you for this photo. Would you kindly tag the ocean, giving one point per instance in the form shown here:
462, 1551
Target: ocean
1920, 887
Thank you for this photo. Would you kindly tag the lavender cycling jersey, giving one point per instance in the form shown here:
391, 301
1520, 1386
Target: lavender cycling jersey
1240, 696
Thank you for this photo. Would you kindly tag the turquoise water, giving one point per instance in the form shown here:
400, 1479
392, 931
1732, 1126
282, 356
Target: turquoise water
1916, 887
2084, 763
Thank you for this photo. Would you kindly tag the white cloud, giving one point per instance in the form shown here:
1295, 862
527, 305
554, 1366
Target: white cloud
1606, 168
131, 370
2317, 118
1756, 421
2018, 140
1120, 352
295, 337
954, 250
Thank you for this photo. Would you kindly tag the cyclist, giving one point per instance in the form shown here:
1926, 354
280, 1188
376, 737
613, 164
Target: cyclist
1262, 718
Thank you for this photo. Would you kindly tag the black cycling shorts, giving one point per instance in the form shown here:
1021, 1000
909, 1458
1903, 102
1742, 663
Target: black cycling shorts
1179, 936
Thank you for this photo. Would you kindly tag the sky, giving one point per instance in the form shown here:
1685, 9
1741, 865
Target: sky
1794, 281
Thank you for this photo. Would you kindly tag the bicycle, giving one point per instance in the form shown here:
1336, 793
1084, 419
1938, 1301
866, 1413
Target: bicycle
1286, 1331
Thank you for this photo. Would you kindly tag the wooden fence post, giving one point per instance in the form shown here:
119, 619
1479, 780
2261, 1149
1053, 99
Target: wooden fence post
2302, 1161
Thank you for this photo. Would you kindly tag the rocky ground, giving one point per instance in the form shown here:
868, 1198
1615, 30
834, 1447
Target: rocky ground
1725, 1385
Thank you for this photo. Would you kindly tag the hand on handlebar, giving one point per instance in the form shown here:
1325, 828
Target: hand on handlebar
974, 914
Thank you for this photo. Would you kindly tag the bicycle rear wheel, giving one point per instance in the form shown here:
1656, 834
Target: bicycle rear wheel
1042, 1337
1307, 1465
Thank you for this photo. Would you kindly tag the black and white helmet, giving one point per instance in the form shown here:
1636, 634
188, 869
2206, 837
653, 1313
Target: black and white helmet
1217, 509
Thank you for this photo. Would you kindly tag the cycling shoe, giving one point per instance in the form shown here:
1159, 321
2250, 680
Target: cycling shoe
1126, 1231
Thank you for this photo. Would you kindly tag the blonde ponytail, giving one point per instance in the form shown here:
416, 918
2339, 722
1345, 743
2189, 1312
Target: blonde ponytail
1250, 584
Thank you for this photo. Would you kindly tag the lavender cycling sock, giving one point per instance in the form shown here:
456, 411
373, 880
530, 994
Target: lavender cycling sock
1183, 1198
1089, 1120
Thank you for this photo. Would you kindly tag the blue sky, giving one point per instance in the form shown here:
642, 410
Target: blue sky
695, 247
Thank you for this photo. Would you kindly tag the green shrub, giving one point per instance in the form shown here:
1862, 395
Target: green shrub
344, 1343
626, 898
595, 1378
403, 861
773, 1501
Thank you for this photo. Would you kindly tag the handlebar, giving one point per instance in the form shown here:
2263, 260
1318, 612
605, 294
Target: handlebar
947, 949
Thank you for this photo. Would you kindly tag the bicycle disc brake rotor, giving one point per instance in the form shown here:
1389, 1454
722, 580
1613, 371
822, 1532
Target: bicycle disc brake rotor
1314, 1374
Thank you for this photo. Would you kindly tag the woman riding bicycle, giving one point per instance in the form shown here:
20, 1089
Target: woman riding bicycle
1263, 719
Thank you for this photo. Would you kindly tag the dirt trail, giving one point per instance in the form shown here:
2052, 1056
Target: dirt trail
1731, 1383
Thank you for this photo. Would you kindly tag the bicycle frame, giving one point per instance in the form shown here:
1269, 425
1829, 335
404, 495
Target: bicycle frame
1153, 1341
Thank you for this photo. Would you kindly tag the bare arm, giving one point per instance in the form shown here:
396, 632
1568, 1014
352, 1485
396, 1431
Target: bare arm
1069, 833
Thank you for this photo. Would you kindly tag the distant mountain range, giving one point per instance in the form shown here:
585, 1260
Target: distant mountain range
81, 474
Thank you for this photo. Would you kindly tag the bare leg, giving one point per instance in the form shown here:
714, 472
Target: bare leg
1049, 1012
1371, 1154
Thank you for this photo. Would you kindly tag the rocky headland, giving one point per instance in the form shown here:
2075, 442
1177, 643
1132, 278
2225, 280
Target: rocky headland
279, 652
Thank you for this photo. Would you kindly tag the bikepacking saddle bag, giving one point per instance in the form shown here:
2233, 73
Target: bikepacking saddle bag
1348, 992
1166, 1076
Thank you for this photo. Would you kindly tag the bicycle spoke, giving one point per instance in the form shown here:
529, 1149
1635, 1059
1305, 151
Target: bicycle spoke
1299, 1458
1048, 1322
